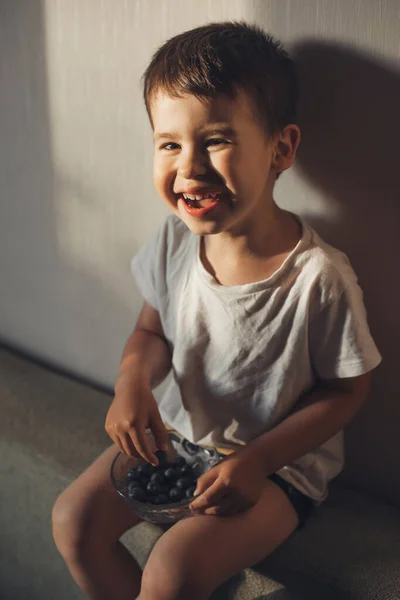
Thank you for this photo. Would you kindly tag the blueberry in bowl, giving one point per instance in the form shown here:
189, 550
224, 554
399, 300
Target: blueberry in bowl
162, 494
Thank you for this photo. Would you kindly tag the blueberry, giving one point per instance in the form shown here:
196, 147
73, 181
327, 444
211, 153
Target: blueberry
164, 489
171, 474
157, 478
183, 483
187, 471
197, 468
190, 491
144, 480
168, 465
133, 475
162, 457
180, 461
145, 469
135, 484
153, 488
137, 493
161, 499
151, 499
176, 494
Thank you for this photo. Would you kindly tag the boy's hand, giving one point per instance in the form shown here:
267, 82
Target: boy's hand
133, 410
232, 486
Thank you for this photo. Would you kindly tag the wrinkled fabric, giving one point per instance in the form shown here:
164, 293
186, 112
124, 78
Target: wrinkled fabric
243, 355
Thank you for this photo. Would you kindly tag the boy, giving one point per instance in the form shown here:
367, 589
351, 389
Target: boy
261, 321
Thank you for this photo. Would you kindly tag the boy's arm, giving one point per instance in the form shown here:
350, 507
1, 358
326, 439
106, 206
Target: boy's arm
146, 361
320, 414
147, 355
234, 485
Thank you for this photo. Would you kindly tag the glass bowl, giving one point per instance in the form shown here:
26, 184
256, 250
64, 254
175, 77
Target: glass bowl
199, 458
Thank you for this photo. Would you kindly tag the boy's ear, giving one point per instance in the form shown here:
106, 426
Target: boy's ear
286, 145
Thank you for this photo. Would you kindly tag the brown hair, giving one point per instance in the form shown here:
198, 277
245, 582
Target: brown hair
221, 58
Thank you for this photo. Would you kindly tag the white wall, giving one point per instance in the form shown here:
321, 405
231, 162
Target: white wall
76, 195
77, 198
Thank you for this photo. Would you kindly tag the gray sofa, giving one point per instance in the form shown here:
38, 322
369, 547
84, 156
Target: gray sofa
52, 427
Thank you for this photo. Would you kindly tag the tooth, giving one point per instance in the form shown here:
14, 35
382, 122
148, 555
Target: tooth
197, 197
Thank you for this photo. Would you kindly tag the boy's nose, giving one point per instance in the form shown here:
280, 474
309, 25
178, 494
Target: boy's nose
191, 165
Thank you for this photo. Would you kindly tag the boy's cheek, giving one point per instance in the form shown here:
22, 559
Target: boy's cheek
160, 169
163, 189
157, 175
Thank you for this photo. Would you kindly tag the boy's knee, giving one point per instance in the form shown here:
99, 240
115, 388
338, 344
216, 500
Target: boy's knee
69, 525
163, 578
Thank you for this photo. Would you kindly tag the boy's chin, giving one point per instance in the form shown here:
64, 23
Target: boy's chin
202, 227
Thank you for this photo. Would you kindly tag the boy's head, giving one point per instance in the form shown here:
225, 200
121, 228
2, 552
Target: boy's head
232, 74
221, 58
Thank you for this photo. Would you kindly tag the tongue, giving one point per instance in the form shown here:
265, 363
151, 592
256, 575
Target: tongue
203, 203
206, 202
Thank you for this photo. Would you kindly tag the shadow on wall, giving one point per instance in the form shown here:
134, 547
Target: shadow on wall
349, 118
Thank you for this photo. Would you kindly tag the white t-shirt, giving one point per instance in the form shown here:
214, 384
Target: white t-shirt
242, 355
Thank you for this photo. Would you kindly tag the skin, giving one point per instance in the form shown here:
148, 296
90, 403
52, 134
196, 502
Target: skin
246, 238
247, 230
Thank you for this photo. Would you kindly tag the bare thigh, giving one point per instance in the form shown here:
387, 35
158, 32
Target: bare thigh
218, 546
91, 507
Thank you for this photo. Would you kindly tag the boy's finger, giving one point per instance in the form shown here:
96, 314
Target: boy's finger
225, 506
122, 445
119, 444
142, 445
129, 448
160, 433
208, 498
205, 481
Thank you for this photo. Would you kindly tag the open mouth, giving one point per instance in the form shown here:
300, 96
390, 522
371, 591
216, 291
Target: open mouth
204, 201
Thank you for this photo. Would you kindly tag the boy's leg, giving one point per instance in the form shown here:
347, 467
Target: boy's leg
89, 517
199, 553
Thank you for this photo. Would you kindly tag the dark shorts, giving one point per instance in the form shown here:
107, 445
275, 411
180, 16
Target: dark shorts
303, 505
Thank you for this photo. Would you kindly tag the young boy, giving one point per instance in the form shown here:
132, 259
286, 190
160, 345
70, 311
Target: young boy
260, 320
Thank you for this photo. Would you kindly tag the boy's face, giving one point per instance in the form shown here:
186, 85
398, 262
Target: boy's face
215, 148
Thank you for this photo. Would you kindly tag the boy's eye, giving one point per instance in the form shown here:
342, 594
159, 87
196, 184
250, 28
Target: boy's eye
169, 146
216, 142
210, 142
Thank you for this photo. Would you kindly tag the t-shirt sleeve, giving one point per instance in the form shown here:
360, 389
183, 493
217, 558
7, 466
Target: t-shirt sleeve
340, 341
146, 268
